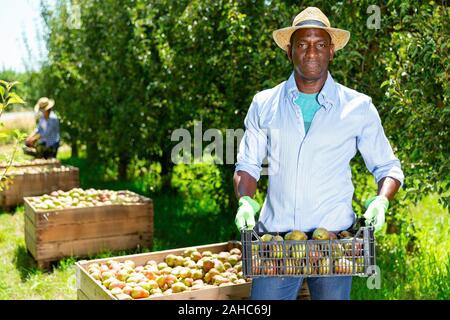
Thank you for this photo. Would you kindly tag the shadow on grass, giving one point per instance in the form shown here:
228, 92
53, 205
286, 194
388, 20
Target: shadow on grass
178, 225
10, 210
24, 263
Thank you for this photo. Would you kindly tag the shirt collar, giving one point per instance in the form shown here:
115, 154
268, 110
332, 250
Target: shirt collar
327, 96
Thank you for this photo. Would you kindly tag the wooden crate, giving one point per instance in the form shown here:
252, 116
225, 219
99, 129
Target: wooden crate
89, 289
36, 184
45, 163
81, 232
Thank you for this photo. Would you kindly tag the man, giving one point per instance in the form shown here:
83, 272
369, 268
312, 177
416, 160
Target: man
309, 128
44, 141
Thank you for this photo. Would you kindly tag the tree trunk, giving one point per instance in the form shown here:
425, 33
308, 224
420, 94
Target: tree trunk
166, 169
123, 166
74, 147
92, 150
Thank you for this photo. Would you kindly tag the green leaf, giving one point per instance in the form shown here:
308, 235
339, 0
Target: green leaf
11, 85
14, 99
385, 83
2, 91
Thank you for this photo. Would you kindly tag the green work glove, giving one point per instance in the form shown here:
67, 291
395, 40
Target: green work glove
376, 209
245, 217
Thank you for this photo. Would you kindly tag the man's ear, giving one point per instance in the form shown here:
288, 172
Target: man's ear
289, 53
331, 52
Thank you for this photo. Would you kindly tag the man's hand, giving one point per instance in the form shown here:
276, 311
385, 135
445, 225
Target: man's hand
376, 209
245, 217
29, 141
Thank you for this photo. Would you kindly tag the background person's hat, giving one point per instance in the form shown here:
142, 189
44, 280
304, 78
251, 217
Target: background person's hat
311, 17
44, 104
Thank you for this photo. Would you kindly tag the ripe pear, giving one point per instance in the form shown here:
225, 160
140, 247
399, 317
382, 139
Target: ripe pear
343, 266
345, 234
188, 252
170, 260
321, 234
124, 296
206, 253
266, 237
296, 235
332, 235
178, 287
116, 291
277, 249
233, 259
196, 256
139, 293
218, 265
208, 263
235, 251
179, 261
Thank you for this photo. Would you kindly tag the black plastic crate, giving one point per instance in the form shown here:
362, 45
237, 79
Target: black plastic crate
308, 258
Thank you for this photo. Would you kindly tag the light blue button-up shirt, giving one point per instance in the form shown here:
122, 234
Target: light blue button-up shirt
49, 130
310, 183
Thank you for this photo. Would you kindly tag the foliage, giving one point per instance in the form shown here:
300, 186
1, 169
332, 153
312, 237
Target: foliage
29, 89
8, 98
133, 71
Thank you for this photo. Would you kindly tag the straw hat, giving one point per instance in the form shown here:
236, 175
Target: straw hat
44, 104
311, 17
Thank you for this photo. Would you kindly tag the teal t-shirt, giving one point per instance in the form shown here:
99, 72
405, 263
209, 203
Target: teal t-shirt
308, 105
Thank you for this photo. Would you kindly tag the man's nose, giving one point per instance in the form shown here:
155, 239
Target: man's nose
311, 51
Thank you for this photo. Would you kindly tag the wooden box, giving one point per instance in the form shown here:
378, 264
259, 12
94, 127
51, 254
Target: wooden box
89, 289
39, 183
81, 232
46, 163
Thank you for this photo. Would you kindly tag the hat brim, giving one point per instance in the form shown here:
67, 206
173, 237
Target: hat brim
51, 104
339, 37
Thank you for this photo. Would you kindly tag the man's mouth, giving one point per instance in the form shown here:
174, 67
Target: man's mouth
312, 63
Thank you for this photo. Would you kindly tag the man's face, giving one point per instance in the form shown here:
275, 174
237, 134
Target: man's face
310, 51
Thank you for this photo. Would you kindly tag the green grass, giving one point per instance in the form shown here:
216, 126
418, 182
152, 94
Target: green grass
418, 269
409, 270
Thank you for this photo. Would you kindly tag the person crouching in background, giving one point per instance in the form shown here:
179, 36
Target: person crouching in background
43, 142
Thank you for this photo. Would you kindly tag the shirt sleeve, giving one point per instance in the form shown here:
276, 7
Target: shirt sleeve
376, 149
253, 146
39, 128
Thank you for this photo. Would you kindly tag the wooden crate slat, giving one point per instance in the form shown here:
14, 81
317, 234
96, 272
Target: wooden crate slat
36, 184
81, 295
69, 232
96, 214
91, 289
44, 164
82, 248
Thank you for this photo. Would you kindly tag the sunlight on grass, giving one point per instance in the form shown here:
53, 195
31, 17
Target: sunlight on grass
414, 266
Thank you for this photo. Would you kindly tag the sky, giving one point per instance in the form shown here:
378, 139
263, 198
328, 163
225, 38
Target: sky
19, 19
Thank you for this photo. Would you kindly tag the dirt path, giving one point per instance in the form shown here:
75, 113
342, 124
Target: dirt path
18, 120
